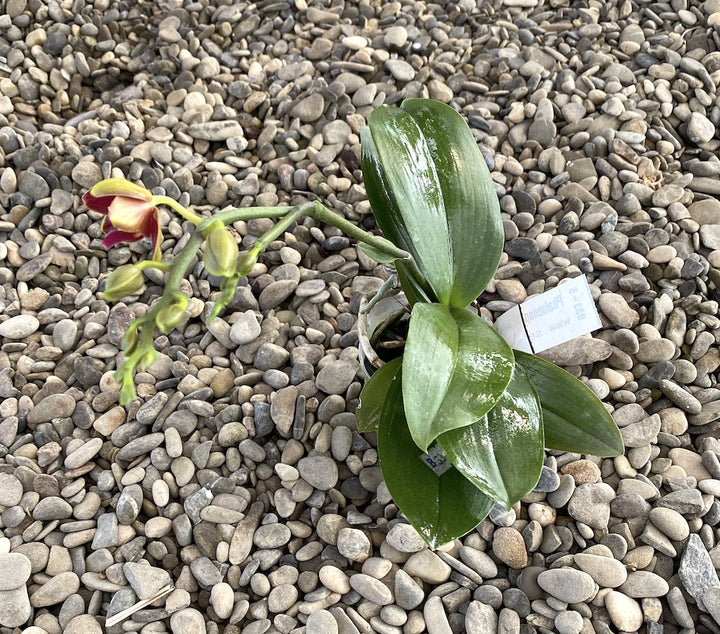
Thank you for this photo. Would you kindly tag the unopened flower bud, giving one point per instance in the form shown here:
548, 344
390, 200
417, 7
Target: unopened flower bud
246, 263
171, 316
129, 342
123, 281
221, 252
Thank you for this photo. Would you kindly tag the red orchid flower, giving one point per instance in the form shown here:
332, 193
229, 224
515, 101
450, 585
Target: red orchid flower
130, 213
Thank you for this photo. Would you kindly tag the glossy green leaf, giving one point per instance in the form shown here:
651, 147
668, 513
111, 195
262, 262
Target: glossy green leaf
440, 507
574, 419
432, 195
471, 203
455, 368
402, 186
373, 396
502, 453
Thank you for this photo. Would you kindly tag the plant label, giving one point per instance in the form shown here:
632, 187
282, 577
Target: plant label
554, 317
436, 459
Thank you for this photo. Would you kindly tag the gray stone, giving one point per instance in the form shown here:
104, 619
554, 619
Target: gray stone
353, 544
189, 621
309, 109
567, 584
83, 624
624, 611
321, 622
605, 571
696, 569
405, 538
699, 128
216, 130
86, 174
33, 268
11, 492
579, 351
145, 580
643, 584
336, 376
16, 571
319, 471
206, 573
65, 334
55, 590
15, 608
19, 327
371, 589
408, 594
52, 508
400, 70
480, 618
590, 504
710, 236
617, 310
245, 329
436, 621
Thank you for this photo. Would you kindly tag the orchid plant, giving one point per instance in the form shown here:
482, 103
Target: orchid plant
462, 419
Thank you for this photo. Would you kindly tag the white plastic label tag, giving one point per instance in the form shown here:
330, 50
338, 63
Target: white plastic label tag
554, 317
436, 459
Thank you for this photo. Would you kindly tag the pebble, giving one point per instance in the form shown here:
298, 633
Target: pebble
145, 581
509, 547
589, 504
605, 571
696, 570
321, 472
371, 589
19, 327
643, 583
55, 590
321, 622
568, 584
625, 613
15, 607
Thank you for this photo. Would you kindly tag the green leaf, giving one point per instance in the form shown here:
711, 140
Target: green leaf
401, 184
373, 396
471, 203
441, 508
574, 418
502, 453
432, 195
455, 368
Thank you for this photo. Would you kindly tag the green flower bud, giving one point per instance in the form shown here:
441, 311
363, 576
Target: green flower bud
129, 342
245, 263
171, 316
123, 281
221, 252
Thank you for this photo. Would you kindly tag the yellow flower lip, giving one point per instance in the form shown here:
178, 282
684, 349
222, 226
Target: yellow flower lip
120, 187
130, 214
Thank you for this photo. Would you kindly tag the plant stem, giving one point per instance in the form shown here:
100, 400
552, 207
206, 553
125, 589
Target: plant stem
176, 206
153, 264
235, 214
382, 244
280, 226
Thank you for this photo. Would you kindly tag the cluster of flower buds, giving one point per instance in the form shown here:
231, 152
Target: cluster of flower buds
131, 213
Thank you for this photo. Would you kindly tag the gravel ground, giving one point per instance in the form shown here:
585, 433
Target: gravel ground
237, 479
